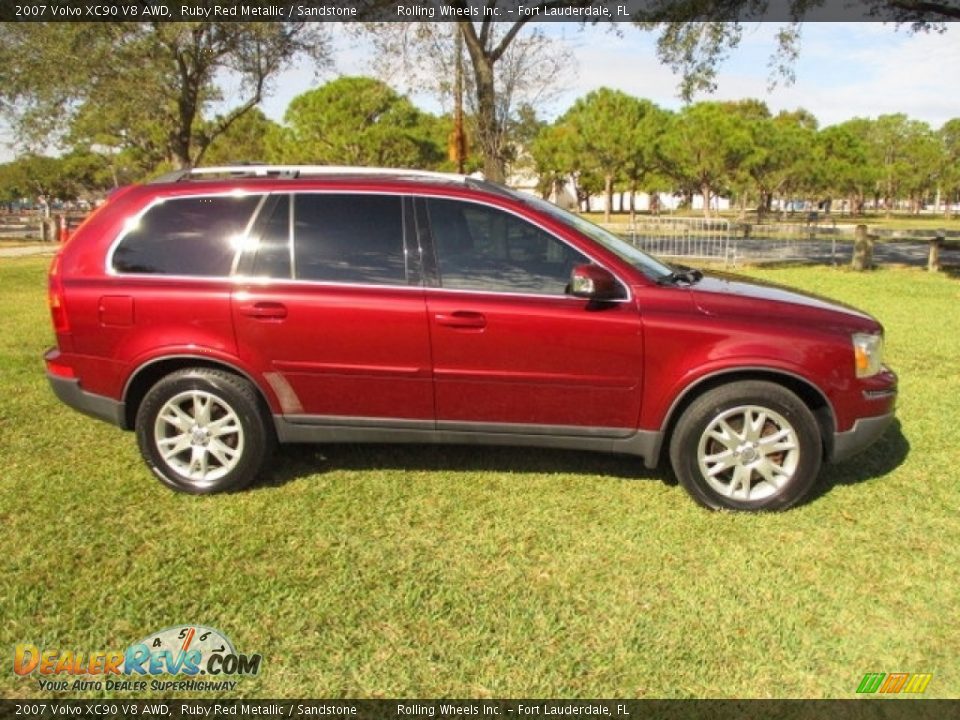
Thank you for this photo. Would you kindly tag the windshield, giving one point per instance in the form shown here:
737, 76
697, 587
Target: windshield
647, 264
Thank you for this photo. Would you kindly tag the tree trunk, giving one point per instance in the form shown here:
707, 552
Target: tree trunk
180, 142
176, 155
488, 127
705, 191
608, 187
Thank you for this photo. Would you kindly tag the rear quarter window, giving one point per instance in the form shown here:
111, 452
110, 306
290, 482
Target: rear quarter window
186, 236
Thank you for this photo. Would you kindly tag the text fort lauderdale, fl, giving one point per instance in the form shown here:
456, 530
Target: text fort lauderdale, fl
520, 11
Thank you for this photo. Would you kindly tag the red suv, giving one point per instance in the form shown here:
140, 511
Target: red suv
220, 310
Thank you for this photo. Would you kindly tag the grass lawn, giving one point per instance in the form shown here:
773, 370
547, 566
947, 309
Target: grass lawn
17, 242
363, 571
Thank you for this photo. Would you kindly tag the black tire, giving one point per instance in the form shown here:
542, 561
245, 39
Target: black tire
762, 452
225, 451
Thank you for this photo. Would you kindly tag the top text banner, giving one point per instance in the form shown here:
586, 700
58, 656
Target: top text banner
509, 11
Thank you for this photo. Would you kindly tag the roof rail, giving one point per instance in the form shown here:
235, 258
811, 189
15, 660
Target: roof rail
295, 171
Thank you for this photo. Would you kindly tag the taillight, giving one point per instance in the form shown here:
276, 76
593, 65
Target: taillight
58, 310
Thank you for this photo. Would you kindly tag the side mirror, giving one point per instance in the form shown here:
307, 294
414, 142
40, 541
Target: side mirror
595, 283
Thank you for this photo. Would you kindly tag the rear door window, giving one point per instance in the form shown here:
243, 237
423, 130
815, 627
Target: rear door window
187, 236
349, 239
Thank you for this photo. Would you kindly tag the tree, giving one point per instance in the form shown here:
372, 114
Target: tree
523, 128
33, 176
511, 65
146, 85
762, 160
796, 137
554, 158
950, 163
780, 158
13, 187
703, 149
359, 121
250, 139
604, 136
643, 169
922, 153
843, 162
887, 142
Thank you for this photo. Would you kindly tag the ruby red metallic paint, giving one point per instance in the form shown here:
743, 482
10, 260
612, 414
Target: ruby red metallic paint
444, 358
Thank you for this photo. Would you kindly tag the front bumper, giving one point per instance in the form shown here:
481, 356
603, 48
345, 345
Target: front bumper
103, 408
862, 435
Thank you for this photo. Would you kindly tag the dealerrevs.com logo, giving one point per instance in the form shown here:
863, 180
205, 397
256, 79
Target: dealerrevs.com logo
205, 656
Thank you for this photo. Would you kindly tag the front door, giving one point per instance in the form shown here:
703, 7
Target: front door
512, 351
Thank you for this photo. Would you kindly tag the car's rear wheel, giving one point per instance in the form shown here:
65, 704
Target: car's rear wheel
751, 445
201, 431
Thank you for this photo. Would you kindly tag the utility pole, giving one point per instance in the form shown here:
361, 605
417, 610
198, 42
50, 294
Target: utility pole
458, 140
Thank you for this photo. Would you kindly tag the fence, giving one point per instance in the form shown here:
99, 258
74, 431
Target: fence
17, 227
36, 226
700, 238
727, 242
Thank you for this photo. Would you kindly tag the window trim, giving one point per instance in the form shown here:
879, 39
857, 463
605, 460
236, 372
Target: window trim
131, 223
422, 243
413, 255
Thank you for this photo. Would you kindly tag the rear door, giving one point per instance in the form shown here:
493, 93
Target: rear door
331, 308
512, 350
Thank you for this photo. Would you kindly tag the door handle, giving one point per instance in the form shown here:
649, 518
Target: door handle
264, 310
462, 319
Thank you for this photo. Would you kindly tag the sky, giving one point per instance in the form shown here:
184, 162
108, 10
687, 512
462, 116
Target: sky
844, 70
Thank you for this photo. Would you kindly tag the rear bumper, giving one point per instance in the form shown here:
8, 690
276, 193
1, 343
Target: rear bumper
862, 435
103, 408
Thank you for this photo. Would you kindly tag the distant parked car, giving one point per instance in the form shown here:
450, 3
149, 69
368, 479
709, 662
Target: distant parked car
218, 311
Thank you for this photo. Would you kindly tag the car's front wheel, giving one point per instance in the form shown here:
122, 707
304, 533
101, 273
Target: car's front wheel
750, 445
201, 431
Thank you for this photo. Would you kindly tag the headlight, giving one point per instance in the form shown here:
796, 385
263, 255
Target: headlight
867, 354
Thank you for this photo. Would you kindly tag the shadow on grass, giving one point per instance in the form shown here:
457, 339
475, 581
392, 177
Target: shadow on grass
292, 462
884, 457
951, 271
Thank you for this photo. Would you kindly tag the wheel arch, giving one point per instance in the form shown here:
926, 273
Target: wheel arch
147, 374
809, 394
